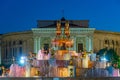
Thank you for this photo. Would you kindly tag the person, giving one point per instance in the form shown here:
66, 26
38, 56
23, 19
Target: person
93, 56
79, 60
49, 53
3, 71
80, 54
30, 55
43, 51
84, 54
110, 69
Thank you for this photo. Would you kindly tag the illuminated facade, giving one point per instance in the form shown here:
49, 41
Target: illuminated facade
21, 43
79, 31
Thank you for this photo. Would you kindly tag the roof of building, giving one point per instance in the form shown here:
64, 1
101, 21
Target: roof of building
72, 23
106, 32
17, 33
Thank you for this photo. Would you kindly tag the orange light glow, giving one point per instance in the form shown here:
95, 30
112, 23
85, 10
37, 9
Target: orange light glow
62, 72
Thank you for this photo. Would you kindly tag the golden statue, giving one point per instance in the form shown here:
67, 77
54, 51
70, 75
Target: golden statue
67, 32
58, 30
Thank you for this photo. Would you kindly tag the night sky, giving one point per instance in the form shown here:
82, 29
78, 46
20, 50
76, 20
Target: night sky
21, 15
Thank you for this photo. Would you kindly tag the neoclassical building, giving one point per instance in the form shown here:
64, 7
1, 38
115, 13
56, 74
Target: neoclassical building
18, 44
104, 39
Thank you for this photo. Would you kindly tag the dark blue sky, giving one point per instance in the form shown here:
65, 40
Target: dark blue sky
20, 15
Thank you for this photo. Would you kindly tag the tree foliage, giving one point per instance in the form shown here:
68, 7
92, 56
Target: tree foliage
110, 55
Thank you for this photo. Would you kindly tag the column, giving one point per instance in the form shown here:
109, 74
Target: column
35, 45
90, 43
87, 44
38, 42
99, 44
103, 43
74, 43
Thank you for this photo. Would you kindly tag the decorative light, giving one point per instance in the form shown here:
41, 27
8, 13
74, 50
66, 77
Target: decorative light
22, 60
103, 59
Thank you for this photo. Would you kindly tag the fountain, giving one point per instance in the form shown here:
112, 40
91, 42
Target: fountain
60, 61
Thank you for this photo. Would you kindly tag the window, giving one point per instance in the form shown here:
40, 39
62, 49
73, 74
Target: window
105, 41
112, 42
20, 50
80, 47
6, 54
10, 53
5, 43
15, 52
9, 43
14, 43
46, 48
20, 42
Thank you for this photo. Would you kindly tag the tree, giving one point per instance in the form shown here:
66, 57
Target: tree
111, 56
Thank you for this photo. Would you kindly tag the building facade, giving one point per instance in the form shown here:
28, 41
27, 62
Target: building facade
107, 39
18, 44
14, 45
